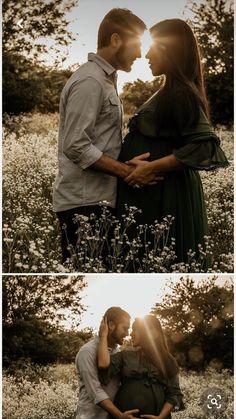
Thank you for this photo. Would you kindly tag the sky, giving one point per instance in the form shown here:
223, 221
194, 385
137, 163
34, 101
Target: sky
89, 13
135, 293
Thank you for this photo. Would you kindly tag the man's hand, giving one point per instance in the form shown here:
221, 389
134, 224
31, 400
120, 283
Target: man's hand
129, 414
103, 329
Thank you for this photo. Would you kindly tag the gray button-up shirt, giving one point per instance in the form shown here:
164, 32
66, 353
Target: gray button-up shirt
90, 125
91, 391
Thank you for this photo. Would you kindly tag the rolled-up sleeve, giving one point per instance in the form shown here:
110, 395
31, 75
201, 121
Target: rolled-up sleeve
89, 374
83, 105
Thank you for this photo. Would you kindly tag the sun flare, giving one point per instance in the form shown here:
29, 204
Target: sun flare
146, 41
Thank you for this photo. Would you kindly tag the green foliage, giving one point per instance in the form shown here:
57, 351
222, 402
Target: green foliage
41, 20
68, 342
213, 24
27, 83
136, 93
40, 342
33, 309
28, 86
32, 339
41, 297
198, 320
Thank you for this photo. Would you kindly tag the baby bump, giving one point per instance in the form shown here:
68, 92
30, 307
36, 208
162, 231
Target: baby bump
135, 144
136, 394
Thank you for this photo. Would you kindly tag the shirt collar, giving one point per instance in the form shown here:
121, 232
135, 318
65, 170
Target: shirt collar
108, 68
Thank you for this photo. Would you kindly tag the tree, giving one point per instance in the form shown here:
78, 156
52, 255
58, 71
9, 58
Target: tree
31, 86
136, 93
198, 321
41, 297
33, 310
42, 20
213, 25
27, 83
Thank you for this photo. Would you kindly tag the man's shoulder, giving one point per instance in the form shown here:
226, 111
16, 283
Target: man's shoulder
89, 347
89, 70
87, 354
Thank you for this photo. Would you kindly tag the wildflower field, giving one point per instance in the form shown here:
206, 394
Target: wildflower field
52, 392
30, 230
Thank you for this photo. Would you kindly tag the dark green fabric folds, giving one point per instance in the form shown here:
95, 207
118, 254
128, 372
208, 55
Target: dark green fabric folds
141, 387
180, 194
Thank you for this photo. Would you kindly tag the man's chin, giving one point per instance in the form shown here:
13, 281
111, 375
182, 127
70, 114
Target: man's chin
127, 68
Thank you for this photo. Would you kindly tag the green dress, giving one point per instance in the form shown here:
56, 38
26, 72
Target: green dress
141, 387
180, 194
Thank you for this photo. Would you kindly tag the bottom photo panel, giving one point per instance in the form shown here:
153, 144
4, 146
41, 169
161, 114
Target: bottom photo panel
118, 346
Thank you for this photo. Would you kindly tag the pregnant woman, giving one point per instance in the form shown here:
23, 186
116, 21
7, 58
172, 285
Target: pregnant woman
173, 126
148, 374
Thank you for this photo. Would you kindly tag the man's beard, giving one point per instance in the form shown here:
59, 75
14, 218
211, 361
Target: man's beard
116, 338
121, 58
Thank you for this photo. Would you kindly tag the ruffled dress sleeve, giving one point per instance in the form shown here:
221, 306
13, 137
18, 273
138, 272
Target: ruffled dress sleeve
173, 394
106, 375
201, 149
197, 148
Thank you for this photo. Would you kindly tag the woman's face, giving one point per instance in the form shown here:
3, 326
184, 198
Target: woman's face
135, 335
156, 56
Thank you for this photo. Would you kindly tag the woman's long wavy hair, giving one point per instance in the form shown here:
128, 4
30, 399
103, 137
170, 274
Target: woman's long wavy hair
183, 92
154, 346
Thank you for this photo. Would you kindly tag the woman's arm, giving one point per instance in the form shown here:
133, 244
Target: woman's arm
143, 172
165, 411
103, 353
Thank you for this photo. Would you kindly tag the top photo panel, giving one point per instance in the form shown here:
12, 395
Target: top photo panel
118, 136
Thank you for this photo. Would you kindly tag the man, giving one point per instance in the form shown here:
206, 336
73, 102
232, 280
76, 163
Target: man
95, 400
90, 132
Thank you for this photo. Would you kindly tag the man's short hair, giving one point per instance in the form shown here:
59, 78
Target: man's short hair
116, 315
119, 21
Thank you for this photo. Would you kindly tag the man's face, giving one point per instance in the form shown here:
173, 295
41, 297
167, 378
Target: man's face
129, 51
120, 331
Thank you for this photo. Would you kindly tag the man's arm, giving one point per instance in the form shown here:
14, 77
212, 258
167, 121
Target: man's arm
83, 106
112, 167
86, 365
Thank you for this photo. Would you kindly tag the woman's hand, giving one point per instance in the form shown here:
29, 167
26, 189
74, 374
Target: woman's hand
129, 414
138, 160
103, 329
103, 356
143, 175
149, 178
149, 417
